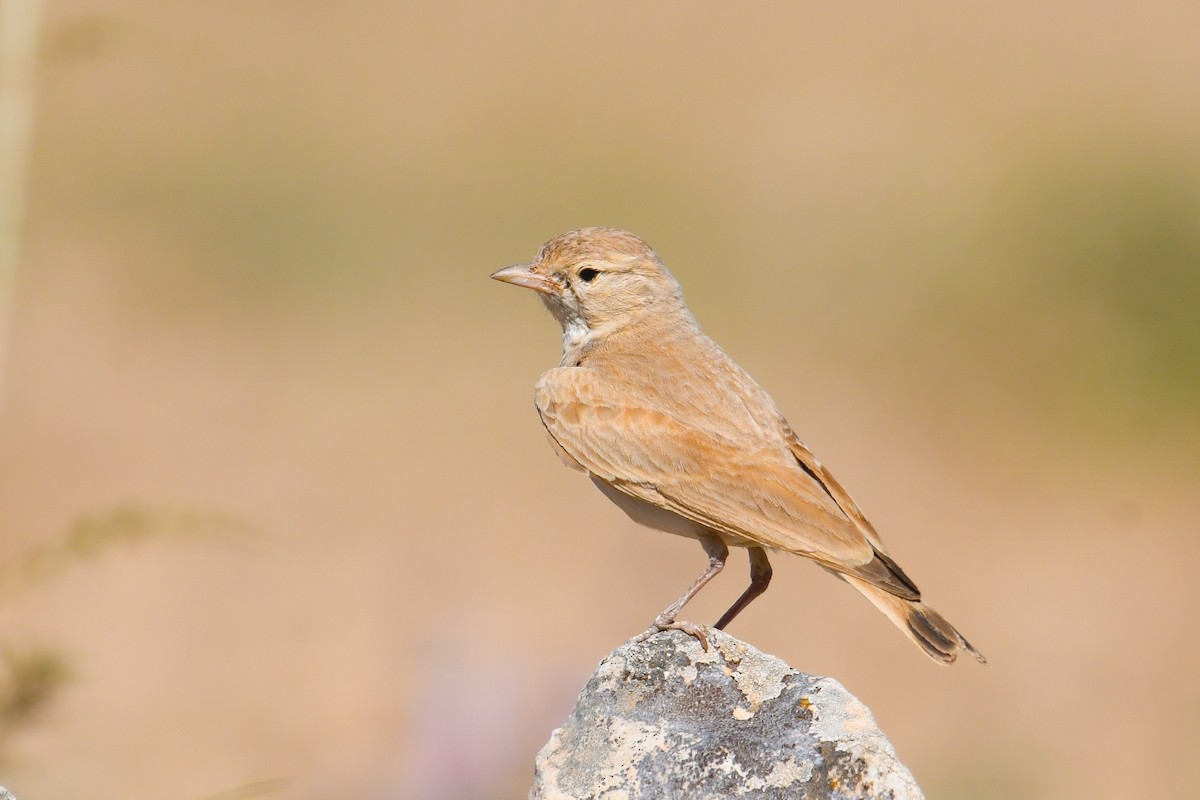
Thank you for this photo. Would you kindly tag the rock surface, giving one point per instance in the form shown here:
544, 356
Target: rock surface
665, 719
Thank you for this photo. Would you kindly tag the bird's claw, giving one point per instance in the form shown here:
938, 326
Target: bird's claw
690, 628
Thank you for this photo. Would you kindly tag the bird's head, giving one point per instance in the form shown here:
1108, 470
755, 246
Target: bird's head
598, 279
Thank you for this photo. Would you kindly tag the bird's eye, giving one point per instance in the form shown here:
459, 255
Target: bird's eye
587, 274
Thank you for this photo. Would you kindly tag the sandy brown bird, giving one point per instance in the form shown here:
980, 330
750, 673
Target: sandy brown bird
683, 439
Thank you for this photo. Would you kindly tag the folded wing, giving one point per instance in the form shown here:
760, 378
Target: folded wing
761, 491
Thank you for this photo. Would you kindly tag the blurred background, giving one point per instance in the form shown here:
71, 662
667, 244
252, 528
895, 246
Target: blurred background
278, 518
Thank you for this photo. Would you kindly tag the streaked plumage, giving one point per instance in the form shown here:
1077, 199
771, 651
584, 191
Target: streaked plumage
685, 441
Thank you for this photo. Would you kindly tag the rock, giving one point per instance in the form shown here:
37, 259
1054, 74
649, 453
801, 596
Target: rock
665, 719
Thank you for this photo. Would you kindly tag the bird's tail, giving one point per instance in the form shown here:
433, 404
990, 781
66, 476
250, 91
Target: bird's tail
929, 629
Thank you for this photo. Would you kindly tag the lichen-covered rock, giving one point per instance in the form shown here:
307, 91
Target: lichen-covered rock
665, 720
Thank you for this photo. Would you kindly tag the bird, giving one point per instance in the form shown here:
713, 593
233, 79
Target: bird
683, 440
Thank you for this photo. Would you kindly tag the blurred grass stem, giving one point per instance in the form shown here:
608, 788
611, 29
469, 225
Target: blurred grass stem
19, 20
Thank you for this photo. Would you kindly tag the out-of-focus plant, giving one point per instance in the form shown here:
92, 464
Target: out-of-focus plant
30, 676
1120, 237
1077, 295
255, 789
19, 21
94, 534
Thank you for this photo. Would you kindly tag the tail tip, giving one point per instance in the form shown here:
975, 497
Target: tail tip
937, 637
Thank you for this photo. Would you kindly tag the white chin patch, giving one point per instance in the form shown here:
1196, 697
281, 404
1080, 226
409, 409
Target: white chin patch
574, 331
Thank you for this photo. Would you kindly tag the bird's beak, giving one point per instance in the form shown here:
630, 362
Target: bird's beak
523, 275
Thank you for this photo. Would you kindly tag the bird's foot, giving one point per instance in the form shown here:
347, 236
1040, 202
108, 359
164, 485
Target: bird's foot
665, 624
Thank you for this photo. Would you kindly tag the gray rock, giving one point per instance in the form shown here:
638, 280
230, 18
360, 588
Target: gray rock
665, 720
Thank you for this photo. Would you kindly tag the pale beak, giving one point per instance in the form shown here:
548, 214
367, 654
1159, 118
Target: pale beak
523, 275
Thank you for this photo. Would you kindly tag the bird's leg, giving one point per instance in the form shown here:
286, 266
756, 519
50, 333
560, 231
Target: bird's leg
760, 578
717, 553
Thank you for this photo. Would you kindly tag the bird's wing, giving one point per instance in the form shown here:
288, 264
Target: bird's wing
748, 492
817, 471
882, 570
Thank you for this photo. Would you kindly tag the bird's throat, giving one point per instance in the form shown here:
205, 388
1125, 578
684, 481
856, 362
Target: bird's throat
575, 338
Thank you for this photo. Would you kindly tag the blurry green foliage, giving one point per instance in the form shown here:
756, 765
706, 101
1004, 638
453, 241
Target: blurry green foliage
1077, 296
1123, 238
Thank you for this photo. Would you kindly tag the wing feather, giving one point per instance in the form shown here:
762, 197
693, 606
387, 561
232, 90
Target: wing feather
756, 492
